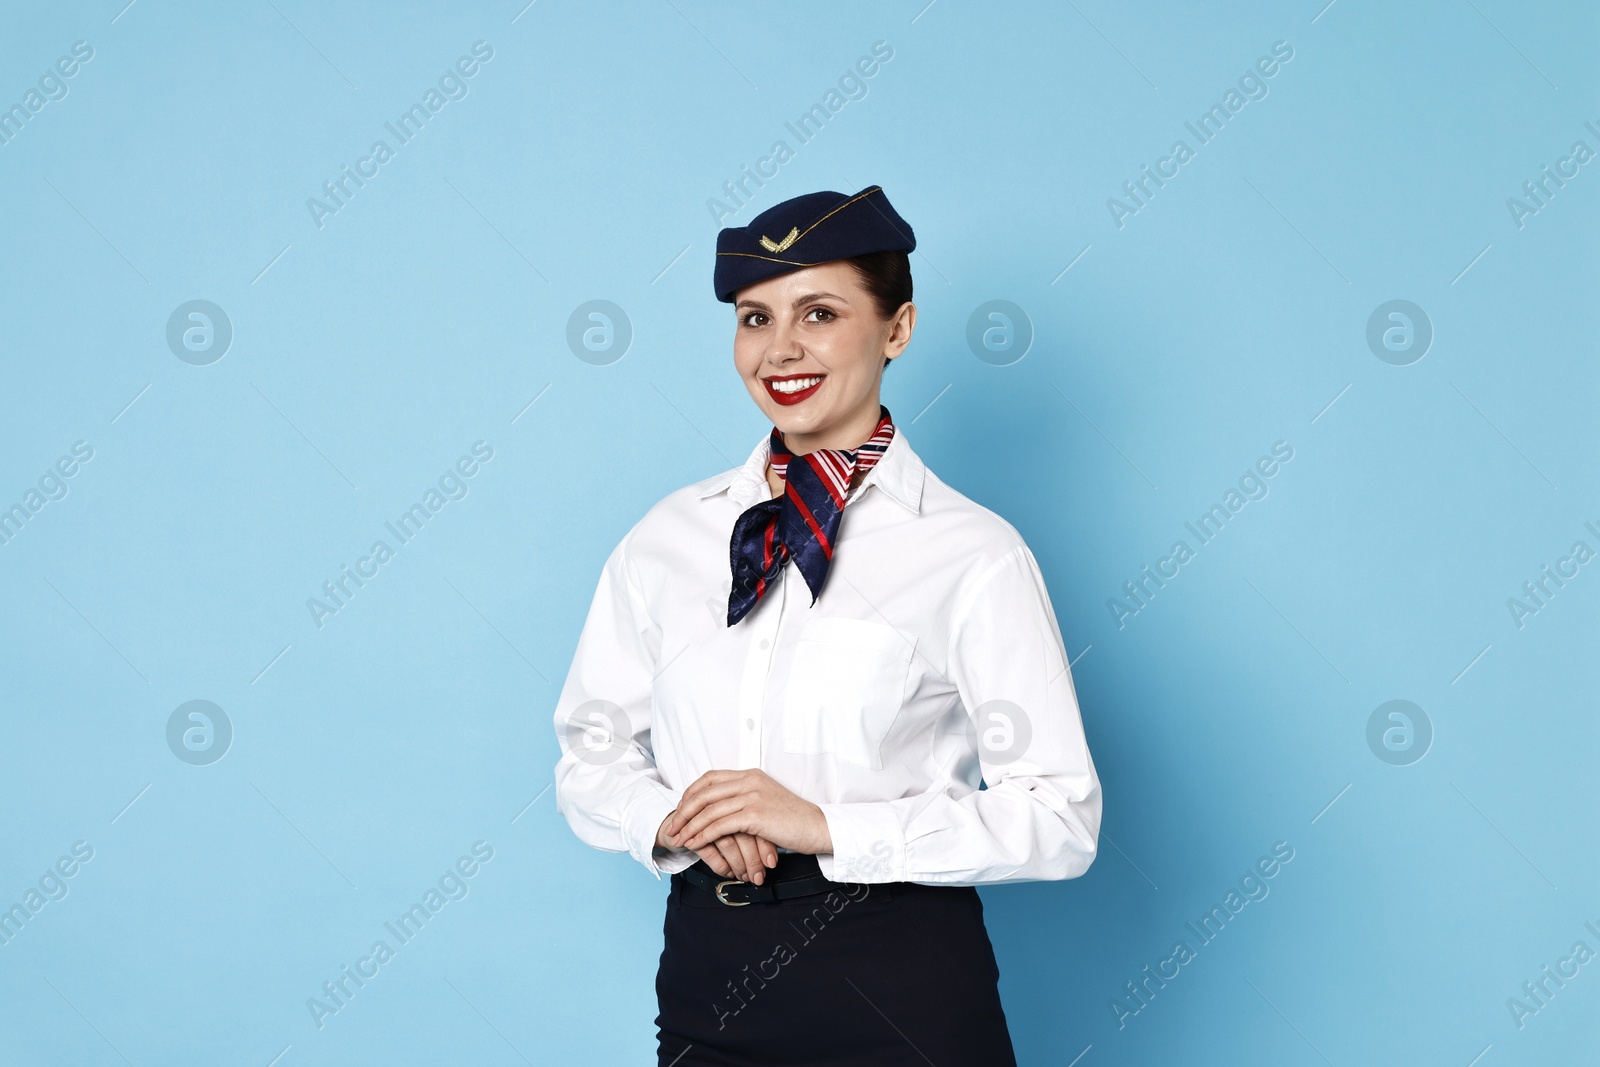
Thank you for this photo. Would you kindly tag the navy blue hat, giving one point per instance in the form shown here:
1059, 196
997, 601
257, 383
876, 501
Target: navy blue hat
805, 231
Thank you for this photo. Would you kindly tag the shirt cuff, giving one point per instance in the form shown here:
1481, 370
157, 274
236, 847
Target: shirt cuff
676, 860
640, 821
868, 843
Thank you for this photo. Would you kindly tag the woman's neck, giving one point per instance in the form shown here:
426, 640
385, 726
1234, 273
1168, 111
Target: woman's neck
846, 434
855, 433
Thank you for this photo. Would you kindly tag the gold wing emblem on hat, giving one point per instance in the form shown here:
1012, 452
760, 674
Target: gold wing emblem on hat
779, 246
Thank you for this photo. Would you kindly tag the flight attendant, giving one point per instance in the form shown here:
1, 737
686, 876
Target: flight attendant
826, 693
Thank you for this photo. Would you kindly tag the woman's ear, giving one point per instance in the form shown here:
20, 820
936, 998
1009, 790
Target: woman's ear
901, 327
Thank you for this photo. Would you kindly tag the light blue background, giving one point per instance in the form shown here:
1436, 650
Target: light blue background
368, 354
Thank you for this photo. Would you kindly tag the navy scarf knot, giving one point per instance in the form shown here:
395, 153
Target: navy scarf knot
803, 523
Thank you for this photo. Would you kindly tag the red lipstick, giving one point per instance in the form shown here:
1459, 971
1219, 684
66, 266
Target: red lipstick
795, 397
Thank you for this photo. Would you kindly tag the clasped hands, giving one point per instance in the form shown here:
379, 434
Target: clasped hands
736, 820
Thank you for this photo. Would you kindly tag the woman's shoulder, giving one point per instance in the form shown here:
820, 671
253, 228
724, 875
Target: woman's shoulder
685, 515
979, 528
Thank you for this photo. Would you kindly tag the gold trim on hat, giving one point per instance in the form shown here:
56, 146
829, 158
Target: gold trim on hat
772, 259
792, 236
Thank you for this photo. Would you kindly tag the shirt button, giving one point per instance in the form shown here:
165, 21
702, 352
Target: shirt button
765, 643
749, 724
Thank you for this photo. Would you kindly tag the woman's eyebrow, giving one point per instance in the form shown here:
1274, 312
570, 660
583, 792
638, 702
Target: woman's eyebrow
806, 299
809, 297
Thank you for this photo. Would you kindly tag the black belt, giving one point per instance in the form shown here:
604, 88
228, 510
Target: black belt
796, 875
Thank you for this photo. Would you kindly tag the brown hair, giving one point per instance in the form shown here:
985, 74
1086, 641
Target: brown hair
887, 276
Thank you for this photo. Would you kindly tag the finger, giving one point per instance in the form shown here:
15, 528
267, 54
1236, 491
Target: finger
735, 859
687, 800
713, 859
706, 790
676, 819
726, 827
692, 832
697, 832
769, 851
756, 870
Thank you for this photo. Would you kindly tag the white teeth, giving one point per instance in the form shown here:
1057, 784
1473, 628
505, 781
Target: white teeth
794, 385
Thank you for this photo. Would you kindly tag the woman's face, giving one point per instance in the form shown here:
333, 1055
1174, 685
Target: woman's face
810, 347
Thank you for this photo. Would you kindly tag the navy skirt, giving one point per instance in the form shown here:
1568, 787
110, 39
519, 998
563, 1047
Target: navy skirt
877, 975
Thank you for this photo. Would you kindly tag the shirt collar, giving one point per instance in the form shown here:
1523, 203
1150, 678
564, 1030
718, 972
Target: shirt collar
898, 473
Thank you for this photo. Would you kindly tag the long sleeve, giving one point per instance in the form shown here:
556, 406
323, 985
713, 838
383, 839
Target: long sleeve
606, 781
1039, 818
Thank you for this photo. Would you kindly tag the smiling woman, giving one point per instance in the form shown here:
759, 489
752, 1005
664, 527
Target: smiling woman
817, 334
827, 734
886, 277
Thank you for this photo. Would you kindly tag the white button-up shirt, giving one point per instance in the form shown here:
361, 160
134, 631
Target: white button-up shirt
923, 702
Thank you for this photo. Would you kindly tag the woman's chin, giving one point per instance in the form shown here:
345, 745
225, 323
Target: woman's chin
786, 417
790, 421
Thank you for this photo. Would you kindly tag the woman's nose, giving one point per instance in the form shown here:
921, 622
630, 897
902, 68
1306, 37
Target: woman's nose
785, 345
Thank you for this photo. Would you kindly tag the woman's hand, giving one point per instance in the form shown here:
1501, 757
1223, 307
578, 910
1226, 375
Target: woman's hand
723, 803
742, 856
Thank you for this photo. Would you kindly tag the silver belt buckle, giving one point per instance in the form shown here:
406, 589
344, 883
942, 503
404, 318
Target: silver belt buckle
731, 903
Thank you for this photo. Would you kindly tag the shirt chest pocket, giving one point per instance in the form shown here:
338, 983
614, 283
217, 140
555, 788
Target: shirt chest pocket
846, 685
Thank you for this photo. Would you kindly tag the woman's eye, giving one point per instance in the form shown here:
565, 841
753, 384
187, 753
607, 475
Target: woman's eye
824, 312
751, 317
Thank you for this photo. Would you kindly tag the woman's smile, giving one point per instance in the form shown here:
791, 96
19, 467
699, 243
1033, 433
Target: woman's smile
792, 388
